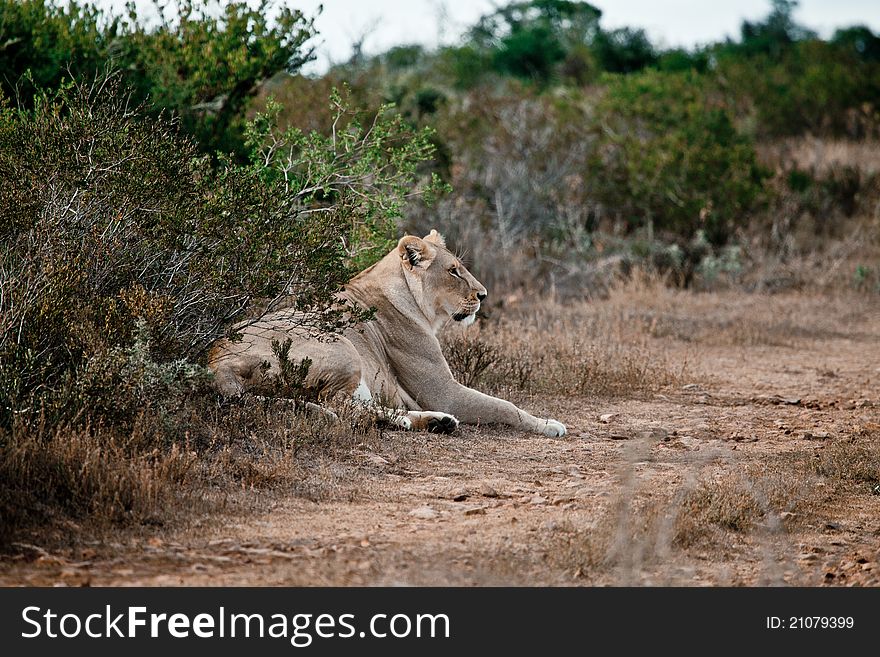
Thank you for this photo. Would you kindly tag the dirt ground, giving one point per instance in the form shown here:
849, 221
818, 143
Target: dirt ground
723, 477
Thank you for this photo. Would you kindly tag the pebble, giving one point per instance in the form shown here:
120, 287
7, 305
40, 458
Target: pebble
424, 513
656, 434
487, 491
459, 495
605, 418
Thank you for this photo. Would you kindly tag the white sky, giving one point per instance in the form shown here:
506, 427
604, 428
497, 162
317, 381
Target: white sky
668, 22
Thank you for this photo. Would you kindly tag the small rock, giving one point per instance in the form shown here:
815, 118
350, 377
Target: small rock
475, 511
424, 513
458, 495
537, 499
808, 556
815, 435
605, 418
562, 499
656, 434
487, 491
787, 515
738, 437
618, 436
832, 526
691, 386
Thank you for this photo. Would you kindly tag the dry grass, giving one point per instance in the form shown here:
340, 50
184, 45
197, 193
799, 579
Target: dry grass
111, 478
739, 501
625, 344
822, 155
730, 318
852, 462
708, 512
86, 473
598, 349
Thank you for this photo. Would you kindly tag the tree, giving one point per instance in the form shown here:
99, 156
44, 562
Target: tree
624, 50
202, 66
859, 40
529, 39
774, 34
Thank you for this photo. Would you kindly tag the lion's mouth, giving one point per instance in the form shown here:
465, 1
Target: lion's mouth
466, 313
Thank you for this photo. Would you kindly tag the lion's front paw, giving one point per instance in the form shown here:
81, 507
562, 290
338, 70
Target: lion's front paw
553, 429
442, 423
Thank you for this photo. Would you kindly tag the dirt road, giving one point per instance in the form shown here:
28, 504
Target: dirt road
725, 477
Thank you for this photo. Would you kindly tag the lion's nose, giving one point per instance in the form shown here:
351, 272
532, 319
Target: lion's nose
482, 295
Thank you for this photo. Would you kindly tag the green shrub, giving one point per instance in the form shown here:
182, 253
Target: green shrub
670, 157
118, 235
624, 50
51, 41
205, 66
811, 86
202, 66
379, 157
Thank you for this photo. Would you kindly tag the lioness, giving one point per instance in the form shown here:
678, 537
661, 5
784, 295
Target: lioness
395, 357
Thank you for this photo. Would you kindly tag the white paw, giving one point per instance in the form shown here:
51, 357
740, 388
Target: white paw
553, 429
404, 423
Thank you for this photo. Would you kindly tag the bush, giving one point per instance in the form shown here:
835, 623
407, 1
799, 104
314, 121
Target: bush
357, 177
202, 66
670, 157
126, 254
624, 50
811, 86
205, 66
49, 42
117, 236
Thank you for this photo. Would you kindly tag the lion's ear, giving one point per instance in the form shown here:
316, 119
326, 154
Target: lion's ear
435, 238
415, 252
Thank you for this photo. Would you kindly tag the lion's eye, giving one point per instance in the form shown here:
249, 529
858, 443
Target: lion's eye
454, 272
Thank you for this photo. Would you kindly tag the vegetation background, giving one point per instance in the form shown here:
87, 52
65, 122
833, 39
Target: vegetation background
161, 182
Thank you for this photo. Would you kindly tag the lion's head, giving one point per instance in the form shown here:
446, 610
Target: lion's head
441, 284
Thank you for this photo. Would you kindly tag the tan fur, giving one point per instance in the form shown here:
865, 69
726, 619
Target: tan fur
416, 289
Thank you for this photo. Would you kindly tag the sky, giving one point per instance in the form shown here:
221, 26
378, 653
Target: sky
386, 23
